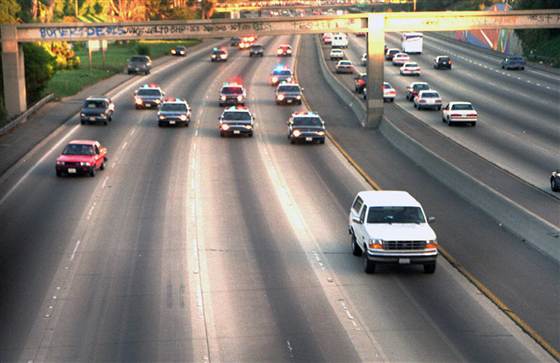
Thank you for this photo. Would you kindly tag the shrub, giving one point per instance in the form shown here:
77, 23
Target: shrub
143, 49
39, 68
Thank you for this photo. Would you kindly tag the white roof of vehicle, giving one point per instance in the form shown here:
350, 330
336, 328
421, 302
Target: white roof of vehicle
388, 198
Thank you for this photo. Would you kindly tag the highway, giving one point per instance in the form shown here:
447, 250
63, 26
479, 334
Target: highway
518, 126
192, 247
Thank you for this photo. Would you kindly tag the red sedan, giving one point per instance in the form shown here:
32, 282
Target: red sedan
81, 157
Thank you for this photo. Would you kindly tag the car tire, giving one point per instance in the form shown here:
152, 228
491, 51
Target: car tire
430, 268
292, 141
439, 108
105, 122
369, 266
187, 123
92, 172
102, 167
522, 68
250, 134
222, 134
555, 187
147, 72
82, 122
473, 124
59, 174
356, 250
322, 141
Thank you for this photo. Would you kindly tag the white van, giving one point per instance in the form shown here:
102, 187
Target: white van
339, 40
412, 42
390, 227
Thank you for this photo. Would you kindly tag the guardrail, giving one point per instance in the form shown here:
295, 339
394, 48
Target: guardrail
513, 217
24, 116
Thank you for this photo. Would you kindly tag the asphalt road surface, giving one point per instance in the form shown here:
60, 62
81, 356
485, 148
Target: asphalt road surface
192, 247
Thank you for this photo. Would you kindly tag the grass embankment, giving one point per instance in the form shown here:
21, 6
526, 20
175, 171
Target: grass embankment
69, 82
548, 52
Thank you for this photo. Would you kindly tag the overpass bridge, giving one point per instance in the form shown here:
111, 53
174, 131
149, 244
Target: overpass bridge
375, 24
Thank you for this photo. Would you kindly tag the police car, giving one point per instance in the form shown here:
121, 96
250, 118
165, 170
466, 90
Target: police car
174, 111
306, 127
232, 93
219, 55
279, 75
236, 120
148, 96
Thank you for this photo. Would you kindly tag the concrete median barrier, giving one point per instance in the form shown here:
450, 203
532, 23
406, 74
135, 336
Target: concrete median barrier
541, 234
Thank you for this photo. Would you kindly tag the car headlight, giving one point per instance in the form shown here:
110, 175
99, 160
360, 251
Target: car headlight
223, 56
280, 97
274, 79
138, 100
296, 133
157, 101
161, 117
298, 97
225, 126
59, 162
289, 51
223, 98
289, 79
173, 51
279, 51
376, 244
84, 163
249, 127
321, 133
240, 98
213, 56
182, 52
183, 118
83, 114
102, 115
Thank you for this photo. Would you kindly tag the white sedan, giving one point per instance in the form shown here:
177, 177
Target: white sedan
427, 99
336, 54
400, 58
344, 66
389, 92
410, 69
459, 112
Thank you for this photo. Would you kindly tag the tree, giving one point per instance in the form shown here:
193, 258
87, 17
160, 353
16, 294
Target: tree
39, 68
8, 11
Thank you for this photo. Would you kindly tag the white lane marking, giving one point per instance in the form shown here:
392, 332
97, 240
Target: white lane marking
90, 213
104, 185
132, 132
538, 84
124, 145
75, 250
196, 133
47, 154
290, 348
116, 95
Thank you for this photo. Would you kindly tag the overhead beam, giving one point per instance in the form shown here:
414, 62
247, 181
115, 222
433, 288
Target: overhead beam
351, 23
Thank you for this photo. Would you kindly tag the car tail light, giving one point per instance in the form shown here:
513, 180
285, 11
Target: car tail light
422, 101
239, 98
437, 101
472, 115
455, 115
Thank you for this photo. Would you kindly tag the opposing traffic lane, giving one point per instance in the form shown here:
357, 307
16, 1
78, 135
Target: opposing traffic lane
471, 236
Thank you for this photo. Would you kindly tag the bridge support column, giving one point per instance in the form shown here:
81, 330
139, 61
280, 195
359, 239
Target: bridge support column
13, 70
375, 64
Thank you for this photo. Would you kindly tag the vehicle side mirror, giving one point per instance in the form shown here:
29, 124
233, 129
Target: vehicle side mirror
356, 220
431, 219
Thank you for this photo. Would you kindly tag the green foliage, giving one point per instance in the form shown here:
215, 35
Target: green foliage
539, 44
143, 49
63, 54
39, 68
8, 11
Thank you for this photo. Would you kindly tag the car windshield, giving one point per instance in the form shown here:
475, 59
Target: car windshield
393, 51
307, 121
94, 104
395, 215
411, 65
139, 59
232, 90
387, 86
178, 107
288, 89
285, 47
420, 87
443, 59
149, 92
78, 149
236, 116
180, 48
282, 72
218, 52
430, 95
462, 106
257, 47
